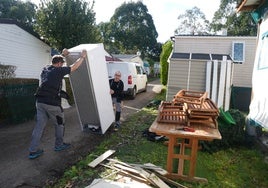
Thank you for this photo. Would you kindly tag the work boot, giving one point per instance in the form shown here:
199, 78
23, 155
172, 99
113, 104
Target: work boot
34, 155
62, 147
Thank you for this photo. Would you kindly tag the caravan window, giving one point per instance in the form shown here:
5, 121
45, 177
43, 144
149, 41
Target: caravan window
238, 52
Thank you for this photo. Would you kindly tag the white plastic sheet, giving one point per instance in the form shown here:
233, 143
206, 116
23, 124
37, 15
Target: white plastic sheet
259, 103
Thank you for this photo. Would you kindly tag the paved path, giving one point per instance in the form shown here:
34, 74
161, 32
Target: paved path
16, 170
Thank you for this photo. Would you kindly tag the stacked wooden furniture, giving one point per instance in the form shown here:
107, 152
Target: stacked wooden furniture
170, 112
189, 118
207, 113
190, 97
189, 107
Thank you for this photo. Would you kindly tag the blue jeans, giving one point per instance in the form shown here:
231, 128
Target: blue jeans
117, 104
45, 112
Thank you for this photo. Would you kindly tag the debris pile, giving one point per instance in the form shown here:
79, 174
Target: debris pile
130, 175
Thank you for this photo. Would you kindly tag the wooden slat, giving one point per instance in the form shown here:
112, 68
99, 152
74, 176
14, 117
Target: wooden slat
157, 181
176, 184
139, 171
190, 97
170, 112
152, 167
125, 173
102, 157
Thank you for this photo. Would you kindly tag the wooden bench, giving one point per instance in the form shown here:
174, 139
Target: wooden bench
190, 97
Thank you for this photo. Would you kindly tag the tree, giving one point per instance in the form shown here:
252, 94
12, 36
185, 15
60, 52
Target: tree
18, 10
132, 29
193, 22
67, 23
154, 53
107, 39
236, 23
166, 51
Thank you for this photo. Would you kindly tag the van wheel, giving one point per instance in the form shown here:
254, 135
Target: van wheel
145, 89
134, 93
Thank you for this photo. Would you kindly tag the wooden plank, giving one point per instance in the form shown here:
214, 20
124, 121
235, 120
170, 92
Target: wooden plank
152, 167
130, 169
222, 82
178, 185
101, 158
208, 78
228, 86
157, 181
215, 80
119, 162
150, 176
128, 174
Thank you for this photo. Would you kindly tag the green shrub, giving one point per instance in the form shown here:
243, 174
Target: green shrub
17, 101
166, 51
232, 134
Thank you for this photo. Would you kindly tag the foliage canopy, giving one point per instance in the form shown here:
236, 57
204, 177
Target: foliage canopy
237, 24
67, 23
131, 29
193, 22
18, 10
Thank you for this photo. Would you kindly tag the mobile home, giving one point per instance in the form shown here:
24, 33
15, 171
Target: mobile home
207, 63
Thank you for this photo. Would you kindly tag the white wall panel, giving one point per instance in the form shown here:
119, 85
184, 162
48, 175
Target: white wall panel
23, 50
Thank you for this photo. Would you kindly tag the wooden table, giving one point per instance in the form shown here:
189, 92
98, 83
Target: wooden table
184, 139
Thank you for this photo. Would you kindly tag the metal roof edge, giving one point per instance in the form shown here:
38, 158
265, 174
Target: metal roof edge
212, 36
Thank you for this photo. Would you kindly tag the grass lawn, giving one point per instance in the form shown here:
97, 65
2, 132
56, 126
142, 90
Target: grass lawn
232, 166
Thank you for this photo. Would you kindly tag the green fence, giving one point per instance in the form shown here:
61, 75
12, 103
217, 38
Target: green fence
17, 101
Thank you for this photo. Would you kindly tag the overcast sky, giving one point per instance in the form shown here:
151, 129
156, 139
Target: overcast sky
164, 12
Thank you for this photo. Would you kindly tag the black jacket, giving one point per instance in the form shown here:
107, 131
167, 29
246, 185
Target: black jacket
118, 88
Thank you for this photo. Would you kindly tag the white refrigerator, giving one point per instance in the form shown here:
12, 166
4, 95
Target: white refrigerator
91, 90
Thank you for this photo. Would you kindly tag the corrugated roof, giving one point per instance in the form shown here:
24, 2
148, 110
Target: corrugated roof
220, 56
181, 55
199, 56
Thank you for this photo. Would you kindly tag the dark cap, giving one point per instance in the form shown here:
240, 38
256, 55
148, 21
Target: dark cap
57, 59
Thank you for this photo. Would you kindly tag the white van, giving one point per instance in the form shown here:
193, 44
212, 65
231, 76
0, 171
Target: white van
132, 74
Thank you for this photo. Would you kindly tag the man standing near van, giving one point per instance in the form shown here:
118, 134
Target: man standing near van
48, 102
116, 91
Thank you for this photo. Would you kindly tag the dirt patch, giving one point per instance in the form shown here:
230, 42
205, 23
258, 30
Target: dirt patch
16, 170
